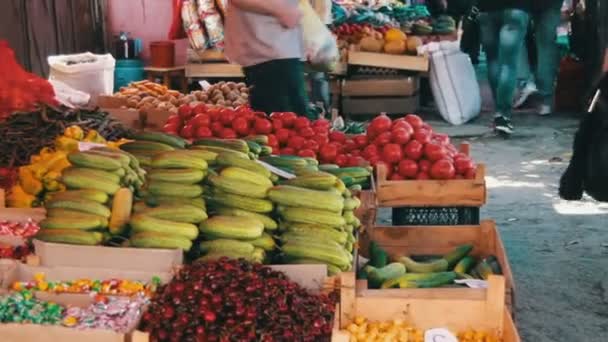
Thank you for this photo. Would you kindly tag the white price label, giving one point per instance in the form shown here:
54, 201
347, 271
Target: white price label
277, 171
439, 335
85, 146
204, 85
473, 283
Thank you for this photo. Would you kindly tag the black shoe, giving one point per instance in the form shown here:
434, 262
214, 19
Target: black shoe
503, 125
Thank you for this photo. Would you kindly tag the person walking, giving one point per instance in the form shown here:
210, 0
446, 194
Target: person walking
265, 38
546, 17
319, 85
503, 24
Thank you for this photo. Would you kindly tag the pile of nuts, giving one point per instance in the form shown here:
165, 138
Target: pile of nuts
226, 94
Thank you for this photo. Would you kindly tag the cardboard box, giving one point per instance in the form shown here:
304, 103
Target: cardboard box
117, 258
129, 117
384, 60
377, 105
403, 86
109, 101
155, 119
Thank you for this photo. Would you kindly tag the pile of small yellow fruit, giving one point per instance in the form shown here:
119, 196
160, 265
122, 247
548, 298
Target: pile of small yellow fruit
394, 331
362, 330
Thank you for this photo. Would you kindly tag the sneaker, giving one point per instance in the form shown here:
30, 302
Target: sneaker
503, 125
545, 110
524, 94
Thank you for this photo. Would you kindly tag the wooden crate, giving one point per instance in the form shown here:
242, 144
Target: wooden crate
384, 60
377, 105
431, 193
366, 213
486, 312
19, 214
397, 86
438, 240
214, 70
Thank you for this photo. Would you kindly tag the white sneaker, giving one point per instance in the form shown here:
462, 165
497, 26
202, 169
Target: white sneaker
545, 110
524, 95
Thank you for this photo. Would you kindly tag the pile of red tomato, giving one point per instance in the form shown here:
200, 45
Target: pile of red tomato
407, 146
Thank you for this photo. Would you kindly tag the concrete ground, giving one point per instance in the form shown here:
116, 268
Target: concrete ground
558, 250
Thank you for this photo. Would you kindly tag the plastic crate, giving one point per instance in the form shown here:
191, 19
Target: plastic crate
435, 216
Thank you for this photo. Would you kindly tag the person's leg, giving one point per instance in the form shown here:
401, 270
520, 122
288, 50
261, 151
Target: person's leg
489, 29
511, 42
267, 94
319, 89
548, 54
292, 78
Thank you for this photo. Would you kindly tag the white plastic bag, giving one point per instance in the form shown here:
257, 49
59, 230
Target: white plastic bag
87, 72
69, 96
320, 45
453, 82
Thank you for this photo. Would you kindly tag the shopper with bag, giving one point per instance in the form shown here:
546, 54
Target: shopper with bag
319, 84
504, 24
265, 38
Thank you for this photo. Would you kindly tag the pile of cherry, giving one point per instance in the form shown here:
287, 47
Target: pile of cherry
234, 300
408, 146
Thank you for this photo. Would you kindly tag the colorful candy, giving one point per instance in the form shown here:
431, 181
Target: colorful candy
27, 229
116, 287
22, 307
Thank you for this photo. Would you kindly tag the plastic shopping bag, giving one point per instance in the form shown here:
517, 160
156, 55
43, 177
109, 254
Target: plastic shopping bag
320, 45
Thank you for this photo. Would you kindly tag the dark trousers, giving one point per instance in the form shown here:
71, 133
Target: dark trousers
278, 86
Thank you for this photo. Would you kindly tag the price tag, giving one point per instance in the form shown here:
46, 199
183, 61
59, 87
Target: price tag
204, 85
473, 283
85, 146
439, 335
277, 171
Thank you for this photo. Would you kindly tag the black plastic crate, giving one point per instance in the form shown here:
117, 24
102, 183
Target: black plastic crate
435, 216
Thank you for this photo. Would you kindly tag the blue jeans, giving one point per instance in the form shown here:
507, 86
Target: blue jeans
319, 86
545, 31
502, 37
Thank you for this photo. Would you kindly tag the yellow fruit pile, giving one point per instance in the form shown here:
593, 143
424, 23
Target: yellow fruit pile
477, 336
396, 330
43, 173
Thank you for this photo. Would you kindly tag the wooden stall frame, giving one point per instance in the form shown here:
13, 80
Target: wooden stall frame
438, 240
432, 193
385, 60
487, 312
19, 214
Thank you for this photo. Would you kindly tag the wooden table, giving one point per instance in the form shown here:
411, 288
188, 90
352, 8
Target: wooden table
166, 74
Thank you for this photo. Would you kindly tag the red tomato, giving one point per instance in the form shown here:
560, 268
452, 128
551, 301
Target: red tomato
408, 168
200, 120
322, 140
170, 128
307, 153
241, 126
341, 160
187, 132
288, 119
204, 132
462, 165
403, 125
287, 151
356, 152
174, 119
380, 123
217, 128
337, 136
423, 176
277, 124
199, 108
387, 167
282, 135
396, 177
414, 120
422, 136
392, 153
307, 132
311, 145
361, 140
442, 169
328, 153
185, 111
434, 152
296, 142
321, 123
242, 109
349, 145
374, 160
262, 126
355, 161
441, 138
383, 139
427, 127
424, 165
272, 140
370, 151
470, 174
260, 115
320, 129
413, 150
226, 116
214, 114
400, 136
461, 155
301, 122
228, 133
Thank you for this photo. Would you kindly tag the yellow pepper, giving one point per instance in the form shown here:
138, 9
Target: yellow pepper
35, 158
74, 132
66, 144
94, 136
45, 152
28, 182
60, 164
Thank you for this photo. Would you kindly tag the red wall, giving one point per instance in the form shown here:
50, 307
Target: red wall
148, 20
